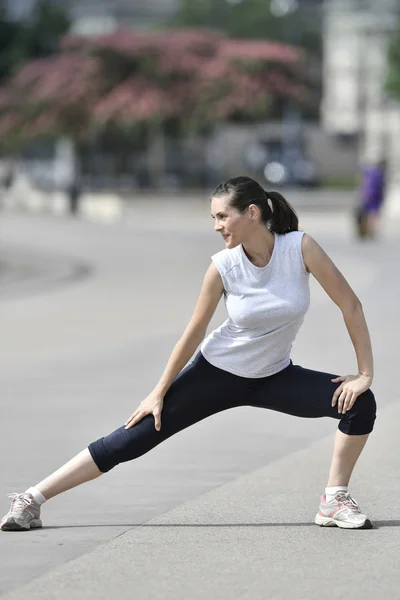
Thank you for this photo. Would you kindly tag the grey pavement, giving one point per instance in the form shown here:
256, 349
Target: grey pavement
25, 271
225, 508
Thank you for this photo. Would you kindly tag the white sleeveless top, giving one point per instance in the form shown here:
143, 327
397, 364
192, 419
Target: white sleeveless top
265, 305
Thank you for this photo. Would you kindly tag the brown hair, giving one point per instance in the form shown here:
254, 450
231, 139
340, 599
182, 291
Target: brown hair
244, 191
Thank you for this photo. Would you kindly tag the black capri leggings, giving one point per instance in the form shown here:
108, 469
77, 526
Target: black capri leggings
201, 390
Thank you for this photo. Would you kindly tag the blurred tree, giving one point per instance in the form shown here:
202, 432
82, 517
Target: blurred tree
33, 37
256, 19
10, 54
253, 19
185, 79
146, 87
393, 75
47, 24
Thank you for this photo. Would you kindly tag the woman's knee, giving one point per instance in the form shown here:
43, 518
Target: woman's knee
123, 445
361, 417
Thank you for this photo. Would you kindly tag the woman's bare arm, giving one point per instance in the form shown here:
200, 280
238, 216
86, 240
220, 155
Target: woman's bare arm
338, 289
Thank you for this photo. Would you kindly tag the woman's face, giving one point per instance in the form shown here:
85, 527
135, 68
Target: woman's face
229, 222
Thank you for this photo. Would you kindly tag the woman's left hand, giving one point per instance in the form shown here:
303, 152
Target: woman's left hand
347, 393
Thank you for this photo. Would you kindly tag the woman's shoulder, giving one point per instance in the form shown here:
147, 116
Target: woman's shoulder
226, 259
292, 243
293, 239
293, 236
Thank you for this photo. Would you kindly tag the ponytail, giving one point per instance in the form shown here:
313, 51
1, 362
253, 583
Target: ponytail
284, 217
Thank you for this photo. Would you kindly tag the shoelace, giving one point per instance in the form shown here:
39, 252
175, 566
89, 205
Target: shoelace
347, 500
19, 501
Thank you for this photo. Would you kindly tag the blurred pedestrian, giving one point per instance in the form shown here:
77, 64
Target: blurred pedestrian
372, 195
8, 178
263, 274
7, 174
74, 194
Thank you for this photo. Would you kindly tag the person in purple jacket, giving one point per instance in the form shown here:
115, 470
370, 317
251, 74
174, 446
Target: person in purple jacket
373, 183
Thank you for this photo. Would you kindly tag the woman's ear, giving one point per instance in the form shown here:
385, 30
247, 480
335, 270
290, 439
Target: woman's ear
254, 212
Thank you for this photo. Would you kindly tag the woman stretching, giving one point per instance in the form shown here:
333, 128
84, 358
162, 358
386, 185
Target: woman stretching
263, 274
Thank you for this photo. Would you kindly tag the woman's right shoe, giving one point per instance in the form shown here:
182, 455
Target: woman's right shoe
343, 511
24, 514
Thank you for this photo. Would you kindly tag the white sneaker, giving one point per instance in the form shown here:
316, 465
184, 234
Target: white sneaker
24, 514
343, 511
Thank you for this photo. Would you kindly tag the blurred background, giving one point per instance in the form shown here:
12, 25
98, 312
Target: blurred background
129, 97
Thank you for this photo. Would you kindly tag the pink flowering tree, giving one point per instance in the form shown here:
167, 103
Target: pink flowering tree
194, 76
48, 97
183, 79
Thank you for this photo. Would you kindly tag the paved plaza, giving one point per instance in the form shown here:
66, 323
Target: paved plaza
224, 510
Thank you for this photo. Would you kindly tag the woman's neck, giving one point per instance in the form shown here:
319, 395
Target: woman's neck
260, 248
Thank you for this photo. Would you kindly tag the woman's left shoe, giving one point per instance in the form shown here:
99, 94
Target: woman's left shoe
343, 511
24, 514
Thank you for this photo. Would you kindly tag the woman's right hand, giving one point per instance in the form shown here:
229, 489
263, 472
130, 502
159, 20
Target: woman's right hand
152, 405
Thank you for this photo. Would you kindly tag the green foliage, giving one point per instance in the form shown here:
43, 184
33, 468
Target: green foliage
393, 76
252, 19
340, 183
198, 14
44, 29
36, 37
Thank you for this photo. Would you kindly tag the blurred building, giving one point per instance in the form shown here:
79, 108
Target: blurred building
355, 107
22, 9
18, 9
94, 17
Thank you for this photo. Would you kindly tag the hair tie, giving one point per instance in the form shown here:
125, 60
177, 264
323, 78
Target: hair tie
268, 200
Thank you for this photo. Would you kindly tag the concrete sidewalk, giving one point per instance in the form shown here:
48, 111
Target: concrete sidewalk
253, 539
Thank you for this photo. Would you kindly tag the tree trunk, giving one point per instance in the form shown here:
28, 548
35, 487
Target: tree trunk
156, 155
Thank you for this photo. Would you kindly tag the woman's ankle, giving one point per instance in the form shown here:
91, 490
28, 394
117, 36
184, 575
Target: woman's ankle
37, 495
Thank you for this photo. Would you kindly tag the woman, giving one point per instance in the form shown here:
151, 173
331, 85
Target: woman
263, 274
